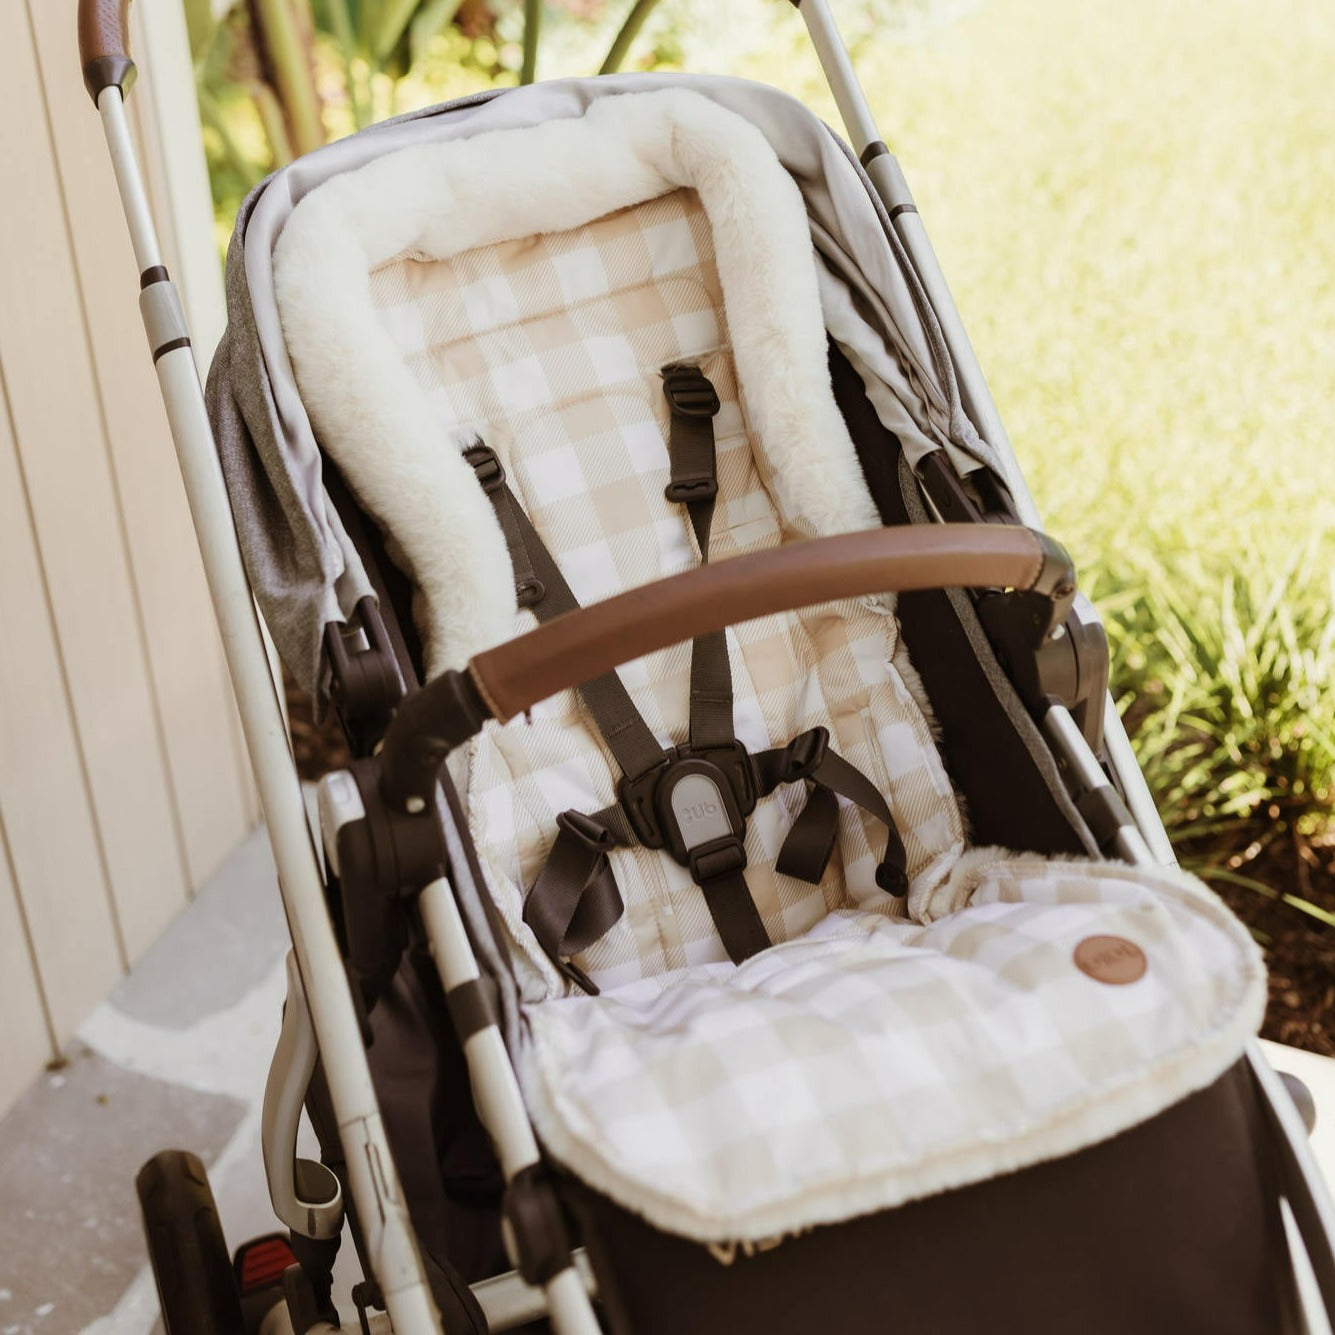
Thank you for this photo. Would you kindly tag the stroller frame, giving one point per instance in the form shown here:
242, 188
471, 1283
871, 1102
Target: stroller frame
321, 1015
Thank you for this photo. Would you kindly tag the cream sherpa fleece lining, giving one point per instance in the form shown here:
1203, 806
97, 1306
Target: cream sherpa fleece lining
439, 200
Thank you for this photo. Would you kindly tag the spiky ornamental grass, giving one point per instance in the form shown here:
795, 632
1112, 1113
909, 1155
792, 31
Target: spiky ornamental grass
1226, 680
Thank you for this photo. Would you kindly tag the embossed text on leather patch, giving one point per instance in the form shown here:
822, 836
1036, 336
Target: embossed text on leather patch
1111, 959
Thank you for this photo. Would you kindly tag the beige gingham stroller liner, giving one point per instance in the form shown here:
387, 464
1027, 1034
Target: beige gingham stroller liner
548, 366
868, 1057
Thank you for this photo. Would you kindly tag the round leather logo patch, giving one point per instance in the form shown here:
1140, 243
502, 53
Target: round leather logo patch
1111, 959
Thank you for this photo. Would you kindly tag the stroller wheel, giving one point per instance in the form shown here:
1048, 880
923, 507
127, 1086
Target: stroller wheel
197, 1288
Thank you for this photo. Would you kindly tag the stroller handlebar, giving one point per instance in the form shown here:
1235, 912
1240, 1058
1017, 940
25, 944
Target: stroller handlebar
104, 45
583, 645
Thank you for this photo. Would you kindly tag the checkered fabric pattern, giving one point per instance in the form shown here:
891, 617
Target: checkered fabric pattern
867, 1057
875, 1059
549, 348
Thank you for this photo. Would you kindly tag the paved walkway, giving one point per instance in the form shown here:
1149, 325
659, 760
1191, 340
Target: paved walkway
177, 1056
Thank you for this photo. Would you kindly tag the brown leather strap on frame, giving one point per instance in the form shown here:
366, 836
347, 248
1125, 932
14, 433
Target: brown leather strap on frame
104, 45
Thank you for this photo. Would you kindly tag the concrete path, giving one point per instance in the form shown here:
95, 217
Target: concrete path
177, 1057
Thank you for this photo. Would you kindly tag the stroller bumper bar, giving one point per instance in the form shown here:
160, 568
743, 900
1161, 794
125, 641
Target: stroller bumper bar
580, 646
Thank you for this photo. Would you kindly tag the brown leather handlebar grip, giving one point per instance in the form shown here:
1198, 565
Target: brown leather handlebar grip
582, 645
104, 45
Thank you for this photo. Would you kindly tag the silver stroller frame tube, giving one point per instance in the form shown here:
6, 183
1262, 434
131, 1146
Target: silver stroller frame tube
1305, 1188
883, 168
372, 1177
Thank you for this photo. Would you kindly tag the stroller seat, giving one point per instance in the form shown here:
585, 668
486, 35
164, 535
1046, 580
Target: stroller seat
517, 298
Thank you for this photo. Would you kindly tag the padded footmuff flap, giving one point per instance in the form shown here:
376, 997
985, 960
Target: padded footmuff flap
876, 1060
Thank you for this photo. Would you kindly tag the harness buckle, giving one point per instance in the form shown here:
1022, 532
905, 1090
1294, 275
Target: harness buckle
637, 801
640, 797
689, 391
698, 814
488, 467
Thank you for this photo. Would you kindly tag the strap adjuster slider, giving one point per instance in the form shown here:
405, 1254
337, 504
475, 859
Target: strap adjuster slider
684, 490
488, 467
587, 830
720, 857
803, 756
689, 391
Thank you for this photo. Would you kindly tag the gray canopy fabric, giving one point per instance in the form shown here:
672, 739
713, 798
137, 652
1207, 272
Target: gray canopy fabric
302, 566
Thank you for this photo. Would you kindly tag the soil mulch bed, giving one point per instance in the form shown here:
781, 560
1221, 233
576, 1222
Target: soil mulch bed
1299, 950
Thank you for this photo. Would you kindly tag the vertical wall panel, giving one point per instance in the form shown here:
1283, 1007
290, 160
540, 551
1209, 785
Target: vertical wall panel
80, 532
57, 865
122, 785
25, 1040
192, 694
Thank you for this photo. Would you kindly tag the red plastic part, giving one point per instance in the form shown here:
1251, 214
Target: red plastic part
261, 1262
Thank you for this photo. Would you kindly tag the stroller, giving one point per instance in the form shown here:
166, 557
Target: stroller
742, 911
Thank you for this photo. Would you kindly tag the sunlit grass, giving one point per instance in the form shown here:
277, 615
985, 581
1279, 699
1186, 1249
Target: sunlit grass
1134, 207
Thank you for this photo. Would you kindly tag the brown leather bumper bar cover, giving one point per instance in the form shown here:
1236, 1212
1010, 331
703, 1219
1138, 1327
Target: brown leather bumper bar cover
583, 645
104, 45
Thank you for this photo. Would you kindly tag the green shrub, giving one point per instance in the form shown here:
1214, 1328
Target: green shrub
1226, 680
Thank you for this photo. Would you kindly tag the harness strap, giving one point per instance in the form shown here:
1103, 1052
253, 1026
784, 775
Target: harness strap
575, 900
810, 841
627, 735
694, 403
728, 898
529, 590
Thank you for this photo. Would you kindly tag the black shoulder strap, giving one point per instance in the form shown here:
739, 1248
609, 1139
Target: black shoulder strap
540, 586
694, 403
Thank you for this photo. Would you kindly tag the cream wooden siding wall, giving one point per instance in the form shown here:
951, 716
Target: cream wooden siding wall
123, 783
